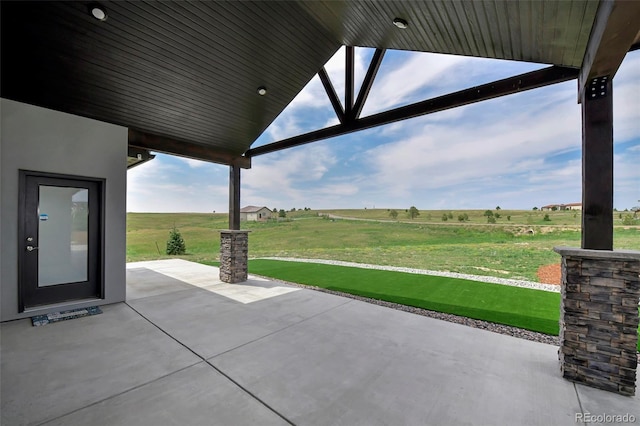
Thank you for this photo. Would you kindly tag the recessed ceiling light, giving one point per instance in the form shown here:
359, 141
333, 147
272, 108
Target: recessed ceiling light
98, 11
400, 23
262, 90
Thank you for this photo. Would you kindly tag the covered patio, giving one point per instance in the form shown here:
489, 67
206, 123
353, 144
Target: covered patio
185, 349
86, 84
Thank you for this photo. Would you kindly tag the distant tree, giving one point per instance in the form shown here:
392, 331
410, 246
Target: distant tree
444, 217
450, 215
175, 245
497, 207
282, 213
628, 219
393, 214
293, 209
488, 213
509, 217
466, 216
275, 210
461, 218
497, 215
491, 219
546, 218
413, 212
535, 208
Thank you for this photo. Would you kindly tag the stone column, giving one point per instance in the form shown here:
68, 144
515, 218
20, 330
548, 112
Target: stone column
234, 252
599, 318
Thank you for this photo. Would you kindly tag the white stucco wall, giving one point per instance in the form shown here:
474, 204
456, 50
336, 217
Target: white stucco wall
38, 139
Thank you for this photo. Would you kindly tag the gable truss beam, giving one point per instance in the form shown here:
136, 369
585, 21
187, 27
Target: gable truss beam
516, 84
352, 109
349, 76
367, 83
614, 33
331, 93
185, 149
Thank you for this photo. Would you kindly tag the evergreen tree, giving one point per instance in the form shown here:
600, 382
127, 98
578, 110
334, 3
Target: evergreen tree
175, 245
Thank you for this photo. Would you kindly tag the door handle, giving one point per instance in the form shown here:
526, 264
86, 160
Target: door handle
32, 248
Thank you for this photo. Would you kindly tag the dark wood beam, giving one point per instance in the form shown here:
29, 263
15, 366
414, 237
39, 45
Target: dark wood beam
331, 93
234, 198
613, 34
597, 165
367, 83
349, 77
507, 86
185, 149
137, 156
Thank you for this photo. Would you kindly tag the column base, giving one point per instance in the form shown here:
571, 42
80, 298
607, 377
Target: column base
234, 252
599, 318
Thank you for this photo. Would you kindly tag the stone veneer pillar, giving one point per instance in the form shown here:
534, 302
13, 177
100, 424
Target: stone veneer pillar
599, 318
234, 252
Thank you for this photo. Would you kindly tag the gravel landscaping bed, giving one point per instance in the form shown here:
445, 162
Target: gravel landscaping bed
487, 279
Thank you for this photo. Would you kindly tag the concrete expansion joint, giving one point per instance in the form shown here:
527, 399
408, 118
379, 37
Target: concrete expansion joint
202, 360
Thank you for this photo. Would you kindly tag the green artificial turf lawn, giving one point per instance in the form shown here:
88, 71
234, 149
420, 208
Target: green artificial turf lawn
520, 307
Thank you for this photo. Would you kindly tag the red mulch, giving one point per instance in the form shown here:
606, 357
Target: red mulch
550, 274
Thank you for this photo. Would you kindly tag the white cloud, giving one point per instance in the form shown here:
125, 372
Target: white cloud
170, 184
284, 127
417, 76
194, 164
403, 83
626, 95
285, 176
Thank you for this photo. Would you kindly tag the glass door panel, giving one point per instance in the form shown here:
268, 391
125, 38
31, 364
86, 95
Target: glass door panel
63, 225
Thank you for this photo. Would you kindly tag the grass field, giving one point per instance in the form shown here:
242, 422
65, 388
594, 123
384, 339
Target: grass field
506, 249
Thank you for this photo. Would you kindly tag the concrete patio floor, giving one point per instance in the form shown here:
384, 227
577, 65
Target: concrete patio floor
186, 349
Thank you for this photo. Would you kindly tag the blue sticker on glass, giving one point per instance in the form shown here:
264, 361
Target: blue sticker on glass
44, 217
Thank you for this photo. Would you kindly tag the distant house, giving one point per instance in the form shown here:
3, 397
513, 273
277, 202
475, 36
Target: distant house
255, 214
570, 206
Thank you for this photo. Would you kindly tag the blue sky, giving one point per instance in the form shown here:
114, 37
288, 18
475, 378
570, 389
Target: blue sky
516, 152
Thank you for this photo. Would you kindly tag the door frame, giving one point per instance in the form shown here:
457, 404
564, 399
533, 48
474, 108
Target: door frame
100, 184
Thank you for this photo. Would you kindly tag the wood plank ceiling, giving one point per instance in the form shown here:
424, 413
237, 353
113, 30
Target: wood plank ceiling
189, 71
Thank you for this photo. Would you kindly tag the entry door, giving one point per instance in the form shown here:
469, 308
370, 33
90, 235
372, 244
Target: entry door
60, 239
